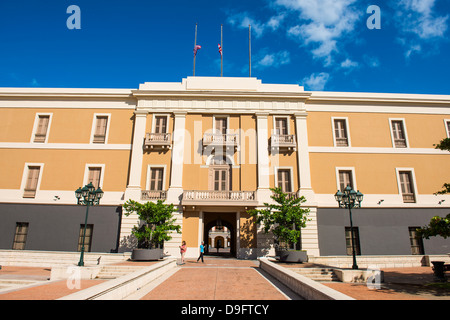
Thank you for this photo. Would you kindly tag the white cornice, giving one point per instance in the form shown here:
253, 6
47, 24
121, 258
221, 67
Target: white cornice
379, 98
65, 93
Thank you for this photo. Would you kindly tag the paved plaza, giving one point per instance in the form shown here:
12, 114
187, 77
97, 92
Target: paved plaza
225, 279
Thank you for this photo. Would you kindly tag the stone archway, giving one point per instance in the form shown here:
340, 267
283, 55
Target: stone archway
227, 220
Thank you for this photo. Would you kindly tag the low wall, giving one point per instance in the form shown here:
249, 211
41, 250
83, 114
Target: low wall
120, 288
388, 261
301, 285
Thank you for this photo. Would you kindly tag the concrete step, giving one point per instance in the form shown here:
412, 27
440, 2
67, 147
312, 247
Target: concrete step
318, 274
11, 284
113, 272
31, 258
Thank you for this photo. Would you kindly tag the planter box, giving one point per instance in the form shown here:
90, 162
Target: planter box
147, 254
297, 256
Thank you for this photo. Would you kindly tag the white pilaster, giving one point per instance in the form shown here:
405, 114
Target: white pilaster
310, 235
303, 156
176, 178
133, 190
263, 192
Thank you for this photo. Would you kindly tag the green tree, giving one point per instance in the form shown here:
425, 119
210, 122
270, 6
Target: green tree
438, 226
284, 218
444, 144
157, 222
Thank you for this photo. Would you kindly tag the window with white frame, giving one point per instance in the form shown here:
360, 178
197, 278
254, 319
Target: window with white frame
94, 176
345, 178
447, 127
407, 186
281, 126
284, 180
220, 125
398, 131
100, 128
33, 173
160, 124
42, 124
341, 138
156, 179
94, 173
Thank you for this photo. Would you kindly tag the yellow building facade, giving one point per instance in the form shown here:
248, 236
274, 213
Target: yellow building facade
214, 147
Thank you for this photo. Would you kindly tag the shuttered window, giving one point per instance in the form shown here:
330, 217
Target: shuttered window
398, 131
345, 179
160, 124
284, 180
100, 129
20, 236
87, 238
32, 182
42, 128
340, 132
406, 185
221, 125
95, 174
156, 179
281, 126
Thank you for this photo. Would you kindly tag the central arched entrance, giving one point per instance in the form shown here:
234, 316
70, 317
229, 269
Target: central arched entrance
224, 232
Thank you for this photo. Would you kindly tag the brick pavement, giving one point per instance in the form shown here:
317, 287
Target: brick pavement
223, 279
216, 279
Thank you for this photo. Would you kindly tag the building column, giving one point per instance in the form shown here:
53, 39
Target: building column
176, 177
310, 236
133, 190
304, 174
263, 192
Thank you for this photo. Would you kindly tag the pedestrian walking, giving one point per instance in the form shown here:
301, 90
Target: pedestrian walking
202, 250
183, 251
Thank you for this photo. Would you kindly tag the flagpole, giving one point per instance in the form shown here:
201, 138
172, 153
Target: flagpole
195, 45
250, 50
221, 45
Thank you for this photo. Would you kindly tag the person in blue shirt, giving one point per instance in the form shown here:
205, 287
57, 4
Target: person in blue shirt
202, 250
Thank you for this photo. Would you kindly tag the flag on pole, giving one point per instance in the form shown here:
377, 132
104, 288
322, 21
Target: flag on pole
197, 47
220, 49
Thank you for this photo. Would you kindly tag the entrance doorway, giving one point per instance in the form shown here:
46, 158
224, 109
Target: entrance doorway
219, 233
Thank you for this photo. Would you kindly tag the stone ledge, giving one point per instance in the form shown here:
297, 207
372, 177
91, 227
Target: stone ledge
303, 286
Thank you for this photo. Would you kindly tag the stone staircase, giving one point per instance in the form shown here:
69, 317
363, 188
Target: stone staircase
11, 284
47, 259
113, 272
317, 274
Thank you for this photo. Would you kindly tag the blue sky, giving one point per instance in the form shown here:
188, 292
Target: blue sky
320, 44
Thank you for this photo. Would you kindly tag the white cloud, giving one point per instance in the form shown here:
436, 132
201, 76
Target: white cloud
418, 17
349, 64
274, 22
244, 19
272, 59
316, 81
322, 23
372, 62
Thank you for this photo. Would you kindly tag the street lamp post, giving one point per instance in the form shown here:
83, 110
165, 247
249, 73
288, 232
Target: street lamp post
350, 199
87, 196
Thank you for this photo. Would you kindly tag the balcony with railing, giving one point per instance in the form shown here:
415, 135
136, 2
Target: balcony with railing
158, 140
153, 194
283, 142
409, 198
220, 140
400, 143
213, 197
